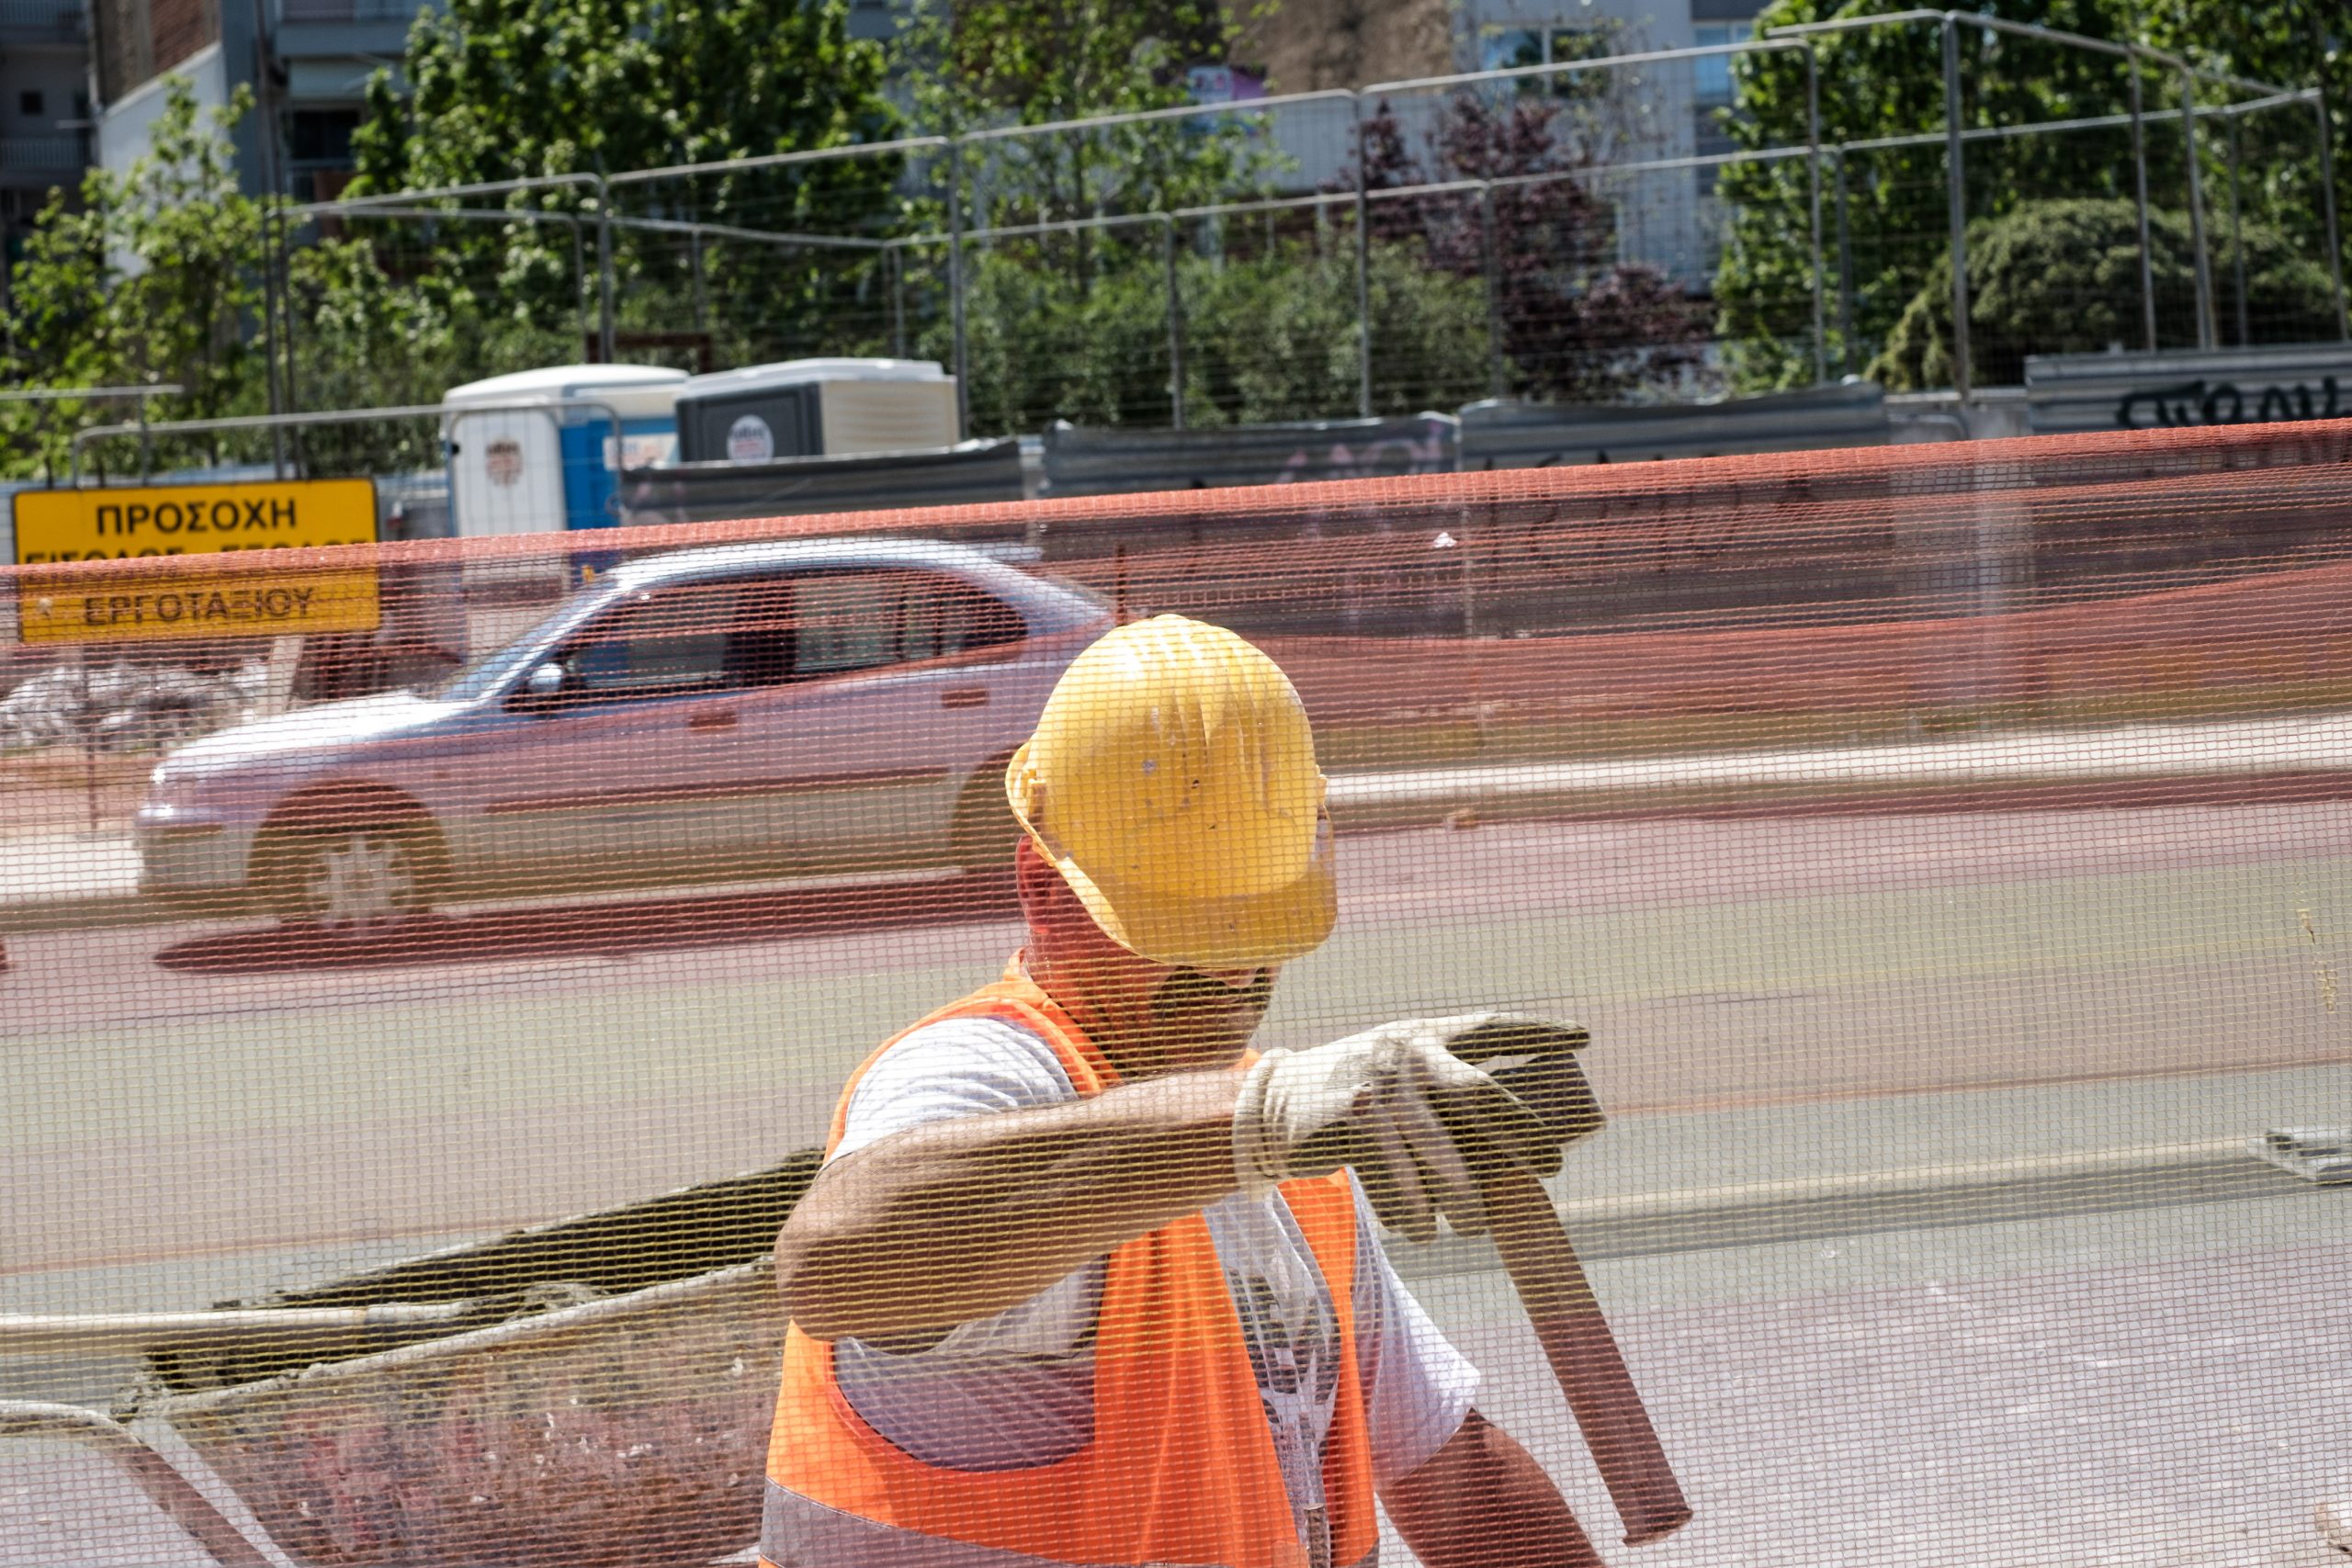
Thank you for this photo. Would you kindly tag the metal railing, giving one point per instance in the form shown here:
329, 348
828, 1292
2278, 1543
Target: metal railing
278, 424
963, 193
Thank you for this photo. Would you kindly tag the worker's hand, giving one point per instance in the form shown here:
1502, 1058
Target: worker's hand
1422, 1128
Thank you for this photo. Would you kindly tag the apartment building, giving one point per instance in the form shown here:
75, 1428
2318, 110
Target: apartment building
306, 63
1658, 115
44, 108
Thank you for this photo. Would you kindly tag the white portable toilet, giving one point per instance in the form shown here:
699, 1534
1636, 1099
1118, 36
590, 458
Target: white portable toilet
812, 408
533, 452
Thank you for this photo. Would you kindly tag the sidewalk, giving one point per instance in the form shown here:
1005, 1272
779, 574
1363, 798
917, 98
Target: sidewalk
86, 877
48, 881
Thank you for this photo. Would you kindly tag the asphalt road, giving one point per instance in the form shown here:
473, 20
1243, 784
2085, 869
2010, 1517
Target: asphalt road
186, 1090
199, 1111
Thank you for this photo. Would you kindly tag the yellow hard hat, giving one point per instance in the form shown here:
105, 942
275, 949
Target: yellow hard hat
1172, 783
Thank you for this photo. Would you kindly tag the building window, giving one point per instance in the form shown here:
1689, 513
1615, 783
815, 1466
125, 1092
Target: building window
318, 147
1711, 72
28, 103
321, 139
1509, 48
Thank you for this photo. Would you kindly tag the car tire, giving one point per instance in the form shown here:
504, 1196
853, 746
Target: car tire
353, 884
985, 829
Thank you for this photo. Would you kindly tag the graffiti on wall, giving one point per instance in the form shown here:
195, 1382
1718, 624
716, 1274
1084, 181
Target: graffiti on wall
2225, 402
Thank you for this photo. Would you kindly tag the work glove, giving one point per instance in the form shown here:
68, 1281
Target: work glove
1423, 1129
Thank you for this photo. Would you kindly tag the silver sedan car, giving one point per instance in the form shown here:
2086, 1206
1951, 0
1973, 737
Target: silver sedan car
745, 711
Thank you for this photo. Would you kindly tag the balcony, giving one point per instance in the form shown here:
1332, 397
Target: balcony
58, 158
40, 21
305, 11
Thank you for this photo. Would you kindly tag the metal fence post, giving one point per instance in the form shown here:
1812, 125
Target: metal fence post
2237, 230
896, 267
2197, 244
1363, 266
1175, 325
607, 339
2140, 198
1956, 209
2328, 213
1488, 265
956, 282
1845, 275
1813, 176
273, 330
281, 254
579, 280
702, 302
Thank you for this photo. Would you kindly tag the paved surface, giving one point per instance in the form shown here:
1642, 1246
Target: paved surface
92, 876
528, 1065
2141, 1370
2154, 1383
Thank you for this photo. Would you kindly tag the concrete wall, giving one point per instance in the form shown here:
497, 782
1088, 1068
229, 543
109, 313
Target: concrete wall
125, 127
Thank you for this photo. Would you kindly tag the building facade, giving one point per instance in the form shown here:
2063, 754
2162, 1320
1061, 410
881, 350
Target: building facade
44, 108
306, 61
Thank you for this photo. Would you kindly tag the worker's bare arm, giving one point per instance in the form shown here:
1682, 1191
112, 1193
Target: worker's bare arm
958, 1219
1483, 1502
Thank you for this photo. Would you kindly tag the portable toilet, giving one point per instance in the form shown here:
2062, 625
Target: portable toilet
816, 408
534, 451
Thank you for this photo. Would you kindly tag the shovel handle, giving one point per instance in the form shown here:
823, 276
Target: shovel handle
1560, 1303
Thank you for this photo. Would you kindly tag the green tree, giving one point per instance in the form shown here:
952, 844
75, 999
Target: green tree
1069, 324
510, 89
368, 339
152, 276
2063, 277
989, 65
1266, 338
1887, 82
1275, 337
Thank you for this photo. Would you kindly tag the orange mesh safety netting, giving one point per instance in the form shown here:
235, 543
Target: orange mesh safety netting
432, 970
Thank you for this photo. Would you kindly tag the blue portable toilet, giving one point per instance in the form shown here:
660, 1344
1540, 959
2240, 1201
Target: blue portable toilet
534, 451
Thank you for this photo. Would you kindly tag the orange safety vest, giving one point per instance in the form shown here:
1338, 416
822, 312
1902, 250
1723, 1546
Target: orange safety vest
1181, 1466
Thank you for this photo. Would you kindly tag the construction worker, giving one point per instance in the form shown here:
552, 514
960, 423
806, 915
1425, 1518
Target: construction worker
1081, 1281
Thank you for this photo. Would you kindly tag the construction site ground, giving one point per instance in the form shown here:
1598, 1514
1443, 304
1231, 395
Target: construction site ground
1926, 1158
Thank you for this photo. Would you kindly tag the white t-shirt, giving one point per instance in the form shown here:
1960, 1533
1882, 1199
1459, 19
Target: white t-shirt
1016, 1390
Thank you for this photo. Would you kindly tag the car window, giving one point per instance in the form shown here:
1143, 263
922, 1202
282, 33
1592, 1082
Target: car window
672, 641
941, 616
859, 620
847, 620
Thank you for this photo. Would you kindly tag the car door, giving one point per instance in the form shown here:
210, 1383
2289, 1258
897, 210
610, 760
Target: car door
897, 695
631, 770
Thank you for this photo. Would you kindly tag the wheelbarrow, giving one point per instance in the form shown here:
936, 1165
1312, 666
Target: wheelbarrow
592, 1392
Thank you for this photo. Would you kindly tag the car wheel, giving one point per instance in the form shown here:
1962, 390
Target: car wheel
985, 831
354, 883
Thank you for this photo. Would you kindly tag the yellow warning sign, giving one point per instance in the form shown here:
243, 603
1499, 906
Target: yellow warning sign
201, 599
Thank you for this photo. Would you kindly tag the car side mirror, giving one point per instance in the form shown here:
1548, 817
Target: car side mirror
543, 688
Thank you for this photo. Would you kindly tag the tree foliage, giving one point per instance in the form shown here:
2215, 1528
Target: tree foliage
1577, 325
148, 278
1887, 82
2063, 277
509, 89
1271, 337
978, 65
502, 89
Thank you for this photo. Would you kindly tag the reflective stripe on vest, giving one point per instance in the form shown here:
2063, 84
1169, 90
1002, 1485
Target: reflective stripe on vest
796, 1532
1182, 1468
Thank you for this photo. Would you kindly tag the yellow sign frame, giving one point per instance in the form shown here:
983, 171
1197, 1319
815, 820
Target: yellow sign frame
182, 524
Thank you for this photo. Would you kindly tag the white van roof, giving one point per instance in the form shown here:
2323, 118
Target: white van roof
635, 391
800, 372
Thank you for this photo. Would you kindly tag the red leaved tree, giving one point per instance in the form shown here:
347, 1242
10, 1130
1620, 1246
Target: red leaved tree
1578, 324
